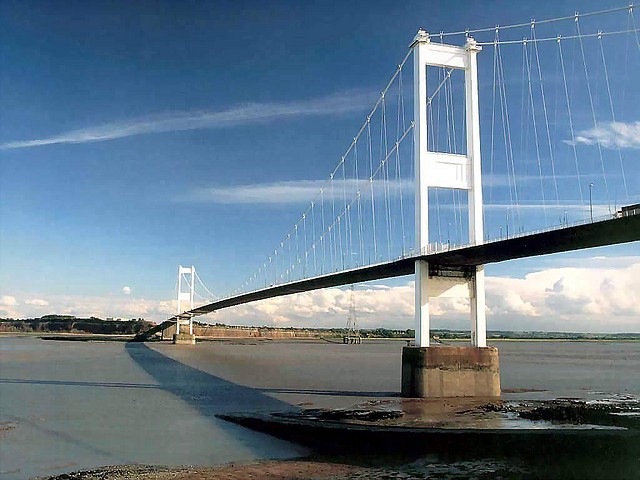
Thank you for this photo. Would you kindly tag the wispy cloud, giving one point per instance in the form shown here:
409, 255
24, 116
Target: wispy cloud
610, 135
305, 191
299, 191
205, 119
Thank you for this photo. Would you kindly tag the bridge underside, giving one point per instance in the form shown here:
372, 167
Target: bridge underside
598, 234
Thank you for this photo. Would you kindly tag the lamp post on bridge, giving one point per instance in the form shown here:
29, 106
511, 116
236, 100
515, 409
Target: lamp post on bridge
591, 201
507, 223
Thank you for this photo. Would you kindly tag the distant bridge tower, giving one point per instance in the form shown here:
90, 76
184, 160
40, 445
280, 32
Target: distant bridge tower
186, 275
448, 371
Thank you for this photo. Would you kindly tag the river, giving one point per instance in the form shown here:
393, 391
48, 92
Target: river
66, 406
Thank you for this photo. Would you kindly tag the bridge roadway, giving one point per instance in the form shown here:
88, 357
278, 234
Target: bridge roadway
597, 234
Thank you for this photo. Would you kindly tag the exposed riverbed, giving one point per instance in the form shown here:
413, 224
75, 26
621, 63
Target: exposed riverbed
67, 406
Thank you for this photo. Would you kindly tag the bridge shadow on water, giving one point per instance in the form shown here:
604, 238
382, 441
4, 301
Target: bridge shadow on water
213, 395
209, 396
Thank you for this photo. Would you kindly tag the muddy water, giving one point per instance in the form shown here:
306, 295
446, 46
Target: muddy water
66, 406
310, 371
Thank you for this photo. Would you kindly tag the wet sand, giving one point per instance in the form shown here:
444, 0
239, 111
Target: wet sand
69, 406
317, 469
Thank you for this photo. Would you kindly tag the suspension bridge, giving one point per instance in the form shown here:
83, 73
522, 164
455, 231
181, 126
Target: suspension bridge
509, 142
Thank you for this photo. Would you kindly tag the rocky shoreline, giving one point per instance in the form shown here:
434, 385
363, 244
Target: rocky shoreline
314, 468
577, 439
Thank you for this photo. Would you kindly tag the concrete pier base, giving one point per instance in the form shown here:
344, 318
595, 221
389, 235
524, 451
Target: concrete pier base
432, 372
184, 339
169, 332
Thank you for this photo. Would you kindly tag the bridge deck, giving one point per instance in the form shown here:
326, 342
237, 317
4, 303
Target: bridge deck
597, 234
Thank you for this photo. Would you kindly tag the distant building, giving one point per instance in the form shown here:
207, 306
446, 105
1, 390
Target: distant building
629, 210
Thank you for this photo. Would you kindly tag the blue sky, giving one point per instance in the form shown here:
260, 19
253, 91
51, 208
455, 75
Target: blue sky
121, 122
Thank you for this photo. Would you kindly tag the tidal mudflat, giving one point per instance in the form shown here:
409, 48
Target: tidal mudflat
68, 406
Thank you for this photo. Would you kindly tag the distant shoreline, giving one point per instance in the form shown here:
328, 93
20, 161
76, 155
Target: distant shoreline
98, 328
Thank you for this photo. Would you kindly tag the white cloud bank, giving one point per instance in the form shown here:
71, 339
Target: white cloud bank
611, 135
38, 302
8, 304
8, 301
586, 298
80, 306
598, 296
249, 113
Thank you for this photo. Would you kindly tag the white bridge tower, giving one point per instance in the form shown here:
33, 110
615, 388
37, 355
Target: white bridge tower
446, 170
448, 371
186, 275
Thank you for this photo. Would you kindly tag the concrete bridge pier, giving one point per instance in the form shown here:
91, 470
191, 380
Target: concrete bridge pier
184, 339
181, 337
178, 337
450, 371
445, 371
